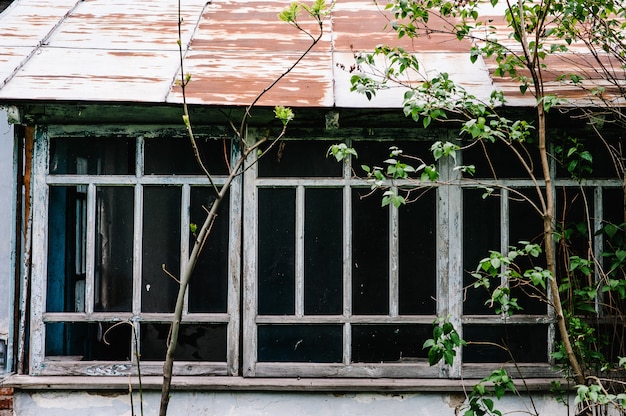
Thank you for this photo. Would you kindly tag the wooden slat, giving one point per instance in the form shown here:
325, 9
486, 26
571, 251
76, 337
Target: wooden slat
61, 366
340, 319
250, 268
299, 235
199, 383
39, 253
235, 234
359, 370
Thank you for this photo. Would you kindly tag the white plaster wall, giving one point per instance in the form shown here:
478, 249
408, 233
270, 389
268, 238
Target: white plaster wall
269, 404
6, 209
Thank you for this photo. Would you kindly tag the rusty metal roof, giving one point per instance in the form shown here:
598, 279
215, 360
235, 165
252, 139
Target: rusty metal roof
126, 51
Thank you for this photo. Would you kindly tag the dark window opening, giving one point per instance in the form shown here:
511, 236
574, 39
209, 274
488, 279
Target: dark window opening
323, 251
505, 343
92, 156
417, 284
67, 241
277, 251
161, 248
389, 343
208, 288
300, 343
88, 341
196, 342
370, 254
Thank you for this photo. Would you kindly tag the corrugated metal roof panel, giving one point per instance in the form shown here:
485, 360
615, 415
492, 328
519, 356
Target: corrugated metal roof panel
94, 75
126, 51
27, 23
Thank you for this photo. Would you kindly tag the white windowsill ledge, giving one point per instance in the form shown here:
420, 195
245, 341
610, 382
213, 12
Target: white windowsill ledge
217, 383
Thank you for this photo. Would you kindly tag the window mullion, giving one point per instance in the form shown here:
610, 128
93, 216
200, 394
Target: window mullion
90, 248
39, 251
250, 266
299, 275
138, 229
450, 255
347, 261
185, 201
234, 266
598, 243
137, 247
504, 235
393, 259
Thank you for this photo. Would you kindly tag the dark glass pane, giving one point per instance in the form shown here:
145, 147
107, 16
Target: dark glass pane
481, 233
277, 208
174, 156
527, 343
370, 254
498, 160
573, 211
92, 156
525, 224
88, 341
299, 158
417, 257
323, 265
602, 164
614, 240
114, 249
614, 206
196, 342
374, 153
67, 241
208, 288
389, 343
161, 246
611, 337
300, 343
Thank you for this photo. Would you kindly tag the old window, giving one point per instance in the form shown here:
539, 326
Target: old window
305, 273
115, 217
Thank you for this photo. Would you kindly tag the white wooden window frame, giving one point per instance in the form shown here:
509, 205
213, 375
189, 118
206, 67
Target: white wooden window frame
449, 267
42, 365
449, 224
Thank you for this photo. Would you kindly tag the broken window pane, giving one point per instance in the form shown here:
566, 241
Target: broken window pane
67, 241
196, 342
114, 249
93, 341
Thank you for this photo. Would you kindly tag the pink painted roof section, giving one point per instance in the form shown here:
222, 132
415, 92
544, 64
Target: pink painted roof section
126, 51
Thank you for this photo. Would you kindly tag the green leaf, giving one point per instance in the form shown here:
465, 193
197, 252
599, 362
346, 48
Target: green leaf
284, 114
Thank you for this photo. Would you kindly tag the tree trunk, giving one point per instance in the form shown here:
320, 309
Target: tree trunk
548, 236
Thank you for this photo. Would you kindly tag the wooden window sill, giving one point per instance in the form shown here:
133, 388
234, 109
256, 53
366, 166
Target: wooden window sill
223, 383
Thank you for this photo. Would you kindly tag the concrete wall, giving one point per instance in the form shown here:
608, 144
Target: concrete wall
269, 404
6, 215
